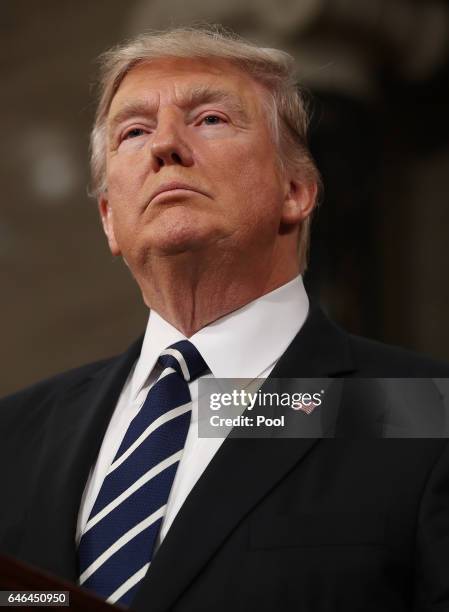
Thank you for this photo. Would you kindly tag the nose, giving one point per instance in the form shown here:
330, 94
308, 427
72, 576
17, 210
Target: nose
169, 146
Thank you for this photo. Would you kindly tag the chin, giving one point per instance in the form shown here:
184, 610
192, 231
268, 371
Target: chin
181, 235
175, 243
176, 247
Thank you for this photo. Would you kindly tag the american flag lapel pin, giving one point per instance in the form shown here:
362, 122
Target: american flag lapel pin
307, 408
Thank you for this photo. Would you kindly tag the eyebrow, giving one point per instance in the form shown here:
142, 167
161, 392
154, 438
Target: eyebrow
189, 100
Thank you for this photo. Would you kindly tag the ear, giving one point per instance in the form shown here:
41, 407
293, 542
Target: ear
107, 219
299, 202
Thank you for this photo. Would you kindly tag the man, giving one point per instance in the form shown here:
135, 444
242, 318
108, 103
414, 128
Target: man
205, 187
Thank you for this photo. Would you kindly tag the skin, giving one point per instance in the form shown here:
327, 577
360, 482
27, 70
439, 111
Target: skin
201, 253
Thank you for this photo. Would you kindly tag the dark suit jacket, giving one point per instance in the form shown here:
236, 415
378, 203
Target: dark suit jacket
273, 524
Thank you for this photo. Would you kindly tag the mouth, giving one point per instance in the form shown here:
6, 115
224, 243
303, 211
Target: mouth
170, 189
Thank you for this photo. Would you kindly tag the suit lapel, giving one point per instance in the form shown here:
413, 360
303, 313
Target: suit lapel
71, 444
320, 349
240, 474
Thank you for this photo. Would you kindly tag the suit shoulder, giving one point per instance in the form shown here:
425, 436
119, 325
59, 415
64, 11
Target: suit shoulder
378, 359
40, 393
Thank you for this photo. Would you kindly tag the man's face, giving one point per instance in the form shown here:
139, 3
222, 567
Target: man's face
191, 164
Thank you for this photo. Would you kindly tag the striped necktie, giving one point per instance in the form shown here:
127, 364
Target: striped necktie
116, 548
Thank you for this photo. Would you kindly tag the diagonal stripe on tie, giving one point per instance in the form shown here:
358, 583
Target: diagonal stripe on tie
164, 418
129, 584
122, 541
116, 547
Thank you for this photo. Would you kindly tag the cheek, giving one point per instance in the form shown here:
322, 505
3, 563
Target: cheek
252, 181
126, 173
241, 166
122, 195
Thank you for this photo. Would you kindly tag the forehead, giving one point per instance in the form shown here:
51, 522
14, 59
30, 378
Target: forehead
171, 80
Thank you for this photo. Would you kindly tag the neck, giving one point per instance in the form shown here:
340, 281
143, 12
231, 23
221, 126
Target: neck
191, 292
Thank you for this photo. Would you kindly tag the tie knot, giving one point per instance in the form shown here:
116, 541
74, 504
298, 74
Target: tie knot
183, 357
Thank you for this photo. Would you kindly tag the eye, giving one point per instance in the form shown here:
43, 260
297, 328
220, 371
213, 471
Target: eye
212, 120
133, 133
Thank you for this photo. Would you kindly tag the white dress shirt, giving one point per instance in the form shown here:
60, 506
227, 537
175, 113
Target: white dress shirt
246, 343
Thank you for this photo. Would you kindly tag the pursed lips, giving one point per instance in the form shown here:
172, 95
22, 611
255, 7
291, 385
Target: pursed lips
173, 186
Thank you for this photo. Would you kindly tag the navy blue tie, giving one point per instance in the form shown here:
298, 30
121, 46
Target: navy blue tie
116, 547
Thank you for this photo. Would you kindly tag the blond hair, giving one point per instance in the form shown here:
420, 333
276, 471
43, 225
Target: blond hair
271, 67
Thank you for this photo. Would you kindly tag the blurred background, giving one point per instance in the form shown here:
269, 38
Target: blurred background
378, 75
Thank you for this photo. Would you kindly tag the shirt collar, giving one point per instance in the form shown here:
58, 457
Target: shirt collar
242, 344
